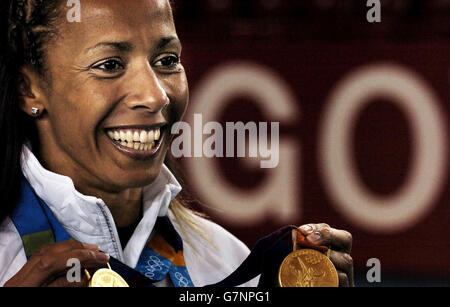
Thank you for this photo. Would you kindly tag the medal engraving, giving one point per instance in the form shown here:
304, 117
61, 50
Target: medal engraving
107, 278
307, 268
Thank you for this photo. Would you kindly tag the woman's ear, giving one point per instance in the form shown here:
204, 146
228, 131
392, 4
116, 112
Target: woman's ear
31, 93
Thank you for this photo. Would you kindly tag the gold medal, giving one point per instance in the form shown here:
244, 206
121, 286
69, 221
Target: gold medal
307, 268
106, 278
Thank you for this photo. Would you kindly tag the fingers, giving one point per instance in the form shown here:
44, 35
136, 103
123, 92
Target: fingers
62, 281
343, 263
298, 237
340, 244
323, 234
49, 263
65, 246
343, 279
53, 264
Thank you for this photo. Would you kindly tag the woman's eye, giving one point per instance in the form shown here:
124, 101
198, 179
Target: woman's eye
110, 66
168, 61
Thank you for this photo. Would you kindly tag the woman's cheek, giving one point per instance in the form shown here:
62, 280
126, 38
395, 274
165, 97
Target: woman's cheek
179, 94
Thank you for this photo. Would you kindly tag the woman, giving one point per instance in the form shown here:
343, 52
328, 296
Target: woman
86, 110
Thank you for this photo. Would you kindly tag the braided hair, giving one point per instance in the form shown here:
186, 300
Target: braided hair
25, 27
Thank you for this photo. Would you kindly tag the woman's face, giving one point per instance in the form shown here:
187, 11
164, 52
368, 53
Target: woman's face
116, 86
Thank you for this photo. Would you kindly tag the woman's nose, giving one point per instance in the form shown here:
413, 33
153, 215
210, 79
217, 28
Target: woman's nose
146, 91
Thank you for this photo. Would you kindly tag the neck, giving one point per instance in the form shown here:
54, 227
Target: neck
125, 206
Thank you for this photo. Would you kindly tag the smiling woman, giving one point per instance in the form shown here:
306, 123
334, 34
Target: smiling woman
86, 110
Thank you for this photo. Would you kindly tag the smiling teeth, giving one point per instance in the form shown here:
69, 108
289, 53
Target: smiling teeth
142, 137
150, 136
137, 139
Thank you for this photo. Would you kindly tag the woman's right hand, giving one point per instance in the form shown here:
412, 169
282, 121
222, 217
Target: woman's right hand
48, 266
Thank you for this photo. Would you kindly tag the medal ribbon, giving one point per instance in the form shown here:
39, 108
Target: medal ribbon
162, 255
35, 222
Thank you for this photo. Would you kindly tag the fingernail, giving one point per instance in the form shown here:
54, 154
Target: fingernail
315, 237
91, 246
102, 256
307, 228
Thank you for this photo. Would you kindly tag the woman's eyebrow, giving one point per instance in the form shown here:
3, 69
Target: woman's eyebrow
163, 42
128, 47
119, 46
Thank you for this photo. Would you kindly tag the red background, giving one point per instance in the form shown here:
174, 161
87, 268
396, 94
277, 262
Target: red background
312, 47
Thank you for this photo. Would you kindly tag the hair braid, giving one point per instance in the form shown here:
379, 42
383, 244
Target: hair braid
25, 27
24, 32
30, 26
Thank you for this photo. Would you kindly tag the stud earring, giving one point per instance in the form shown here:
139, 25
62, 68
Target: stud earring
35, 111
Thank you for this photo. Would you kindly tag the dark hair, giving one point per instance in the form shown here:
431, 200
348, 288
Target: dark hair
26, 26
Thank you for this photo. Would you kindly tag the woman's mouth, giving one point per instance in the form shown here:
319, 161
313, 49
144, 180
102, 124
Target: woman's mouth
139, 143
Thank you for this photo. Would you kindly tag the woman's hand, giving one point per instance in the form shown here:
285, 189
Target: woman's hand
48, 266
340, 243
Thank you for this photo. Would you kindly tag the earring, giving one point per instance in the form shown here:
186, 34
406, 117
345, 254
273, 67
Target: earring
35, 111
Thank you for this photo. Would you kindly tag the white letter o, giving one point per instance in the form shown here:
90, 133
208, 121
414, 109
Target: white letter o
415, 198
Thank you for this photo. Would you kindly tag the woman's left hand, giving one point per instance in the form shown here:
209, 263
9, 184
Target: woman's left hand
340, 243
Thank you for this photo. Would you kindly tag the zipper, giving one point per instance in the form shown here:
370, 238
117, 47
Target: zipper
111, 231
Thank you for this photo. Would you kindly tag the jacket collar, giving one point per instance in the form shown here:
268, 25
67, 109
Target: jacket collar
87, 218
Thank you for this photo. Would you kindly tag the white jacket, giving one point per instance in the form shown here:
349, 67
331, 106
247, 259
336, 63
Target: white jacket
87, 219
